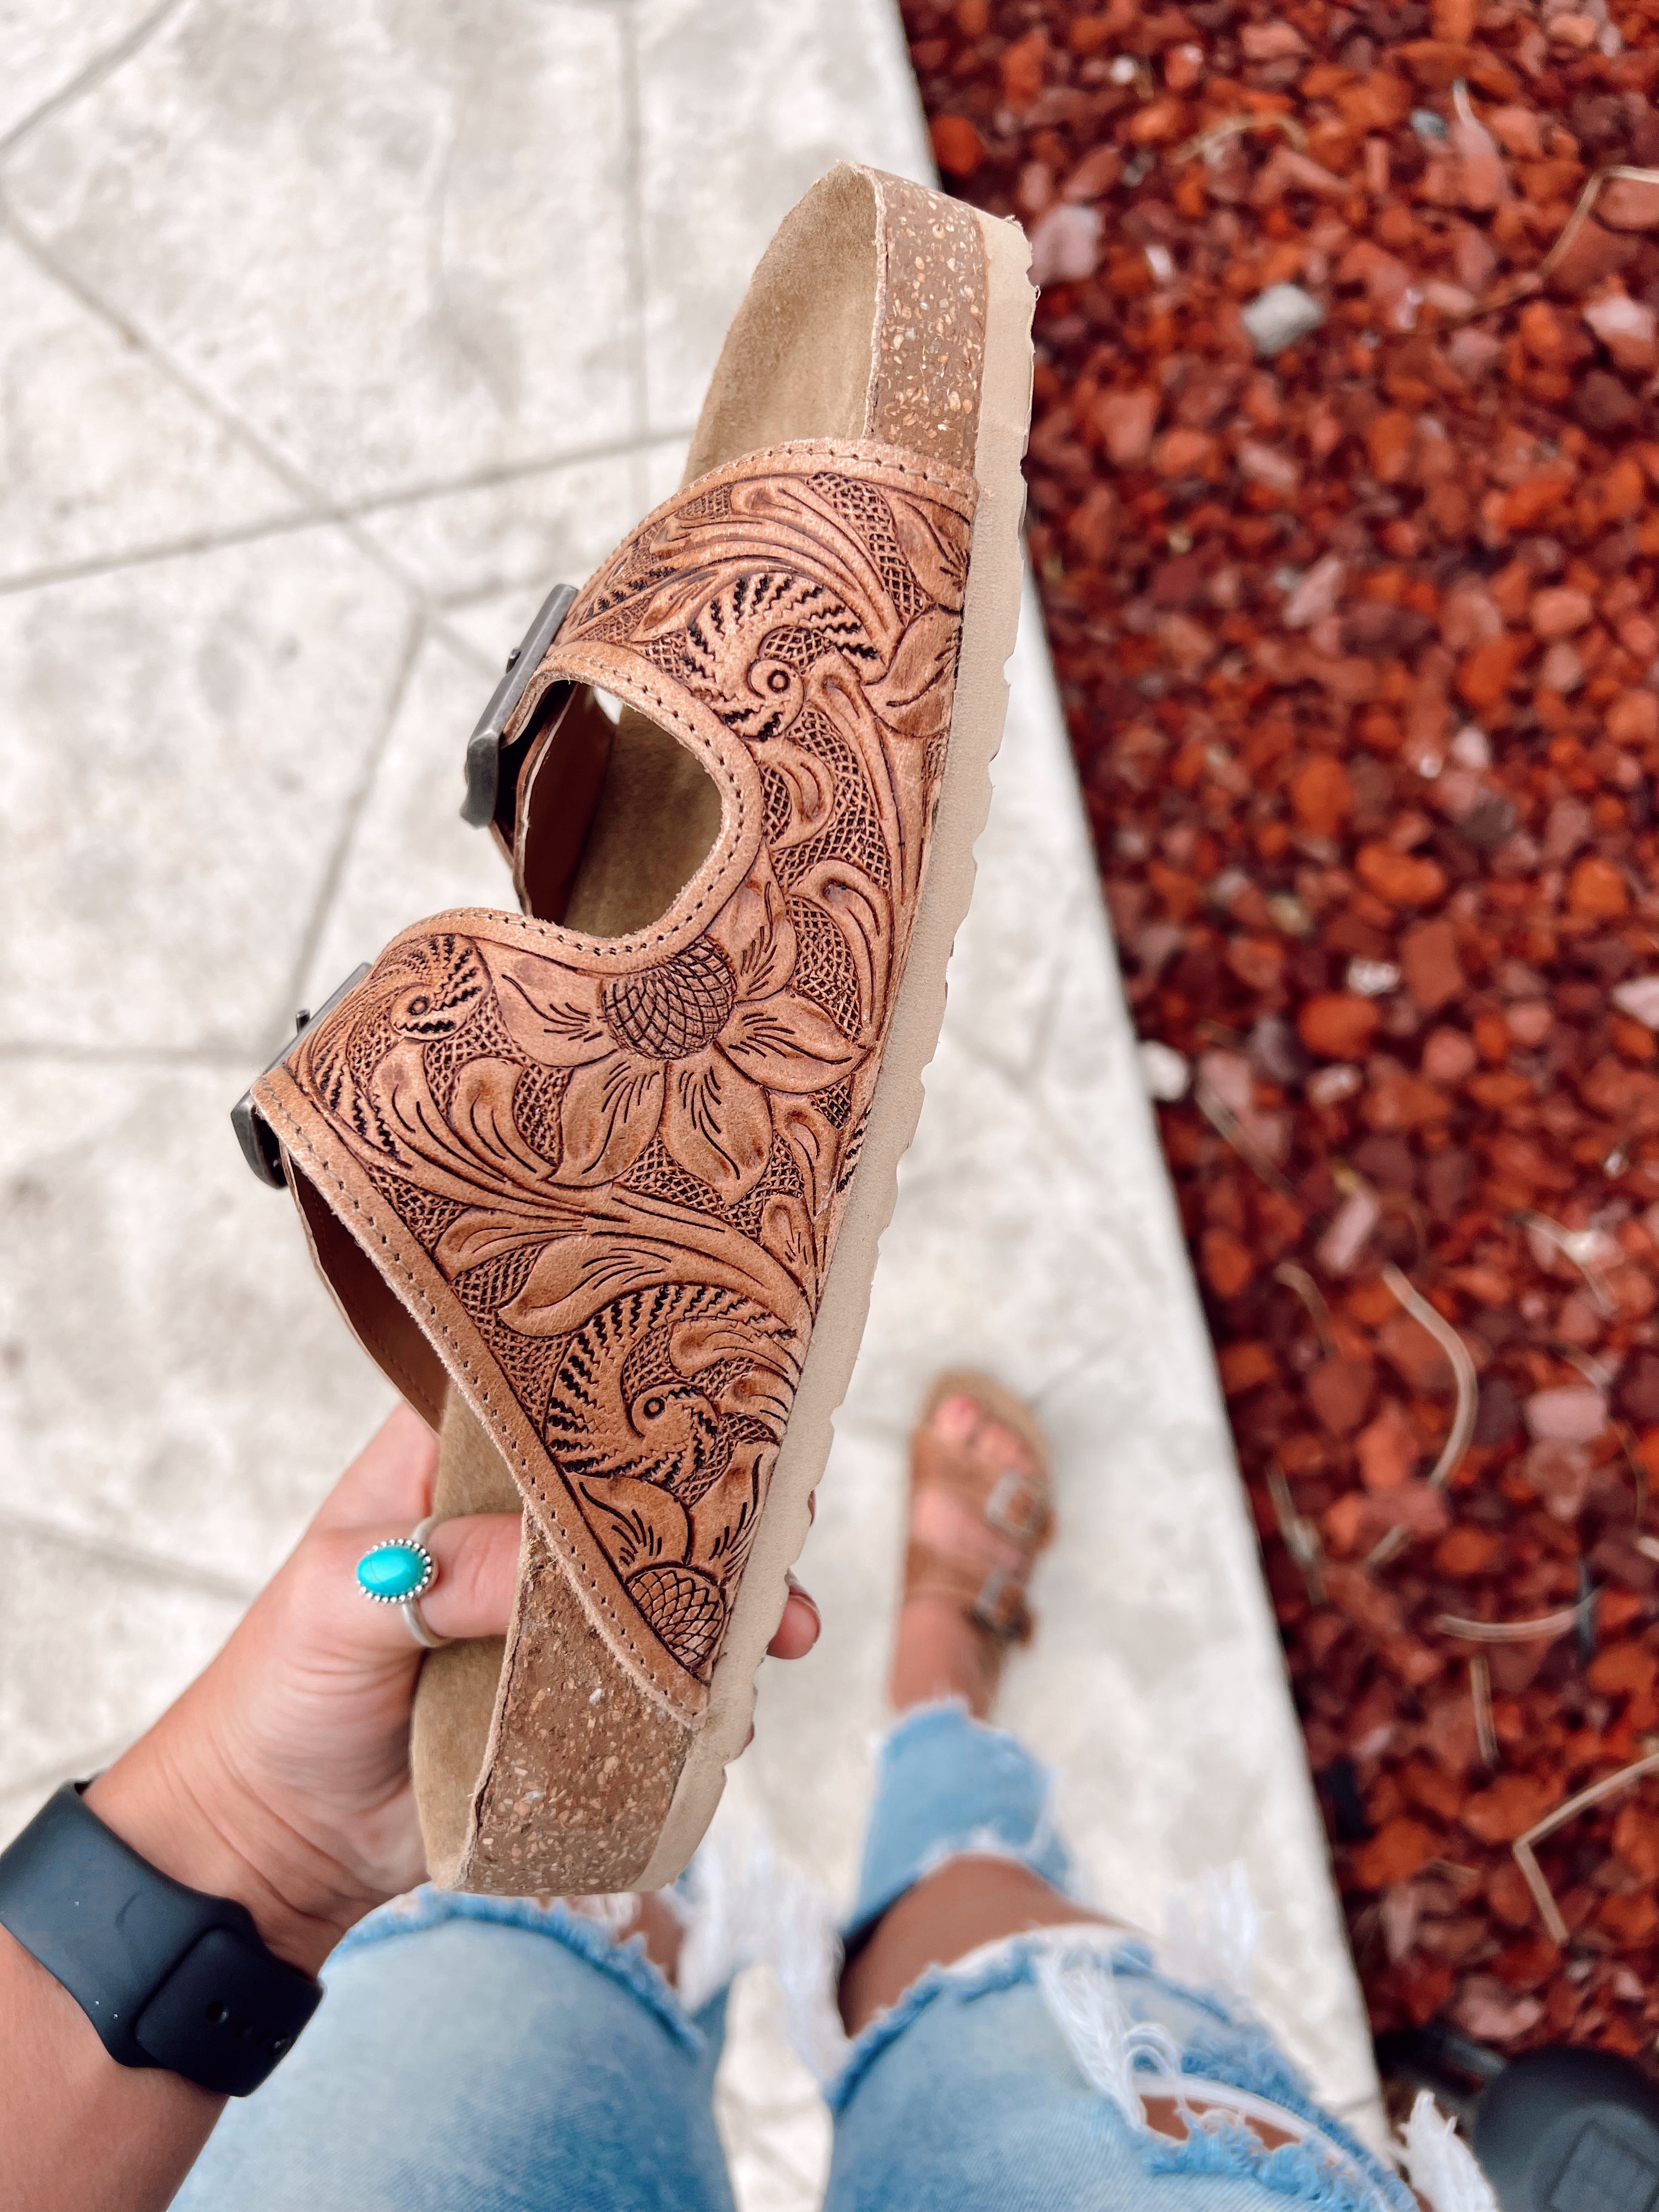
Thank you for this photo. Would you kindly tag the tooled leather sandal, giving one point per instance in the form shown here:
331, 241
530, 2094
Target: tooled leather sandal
1016, 1502
599, 1184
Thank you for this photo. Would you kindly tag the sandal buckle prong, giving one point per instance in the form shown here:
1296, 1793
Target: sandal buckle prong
1016, 1505
1000, 1604
258, 1140
486, 755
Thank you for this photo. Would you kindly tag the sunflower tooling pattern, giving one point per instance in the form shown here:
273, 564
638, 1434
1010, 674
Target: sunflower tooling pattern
627, 1158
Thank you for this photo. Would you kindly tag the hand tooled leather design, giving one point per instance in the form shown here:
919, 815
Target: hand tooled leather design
628, 1159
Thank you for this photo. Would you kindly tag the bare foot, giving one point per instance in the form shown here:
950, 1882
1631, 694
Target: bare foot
656, 1920
979, 1514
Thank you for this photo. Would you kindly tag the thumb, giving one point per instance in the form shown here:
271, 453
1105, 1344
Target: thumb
477, 1559
478, 1562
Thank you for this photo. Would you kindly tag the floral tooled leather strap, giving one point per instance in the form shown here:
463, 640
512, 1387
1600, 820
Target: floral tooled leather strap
605, 1174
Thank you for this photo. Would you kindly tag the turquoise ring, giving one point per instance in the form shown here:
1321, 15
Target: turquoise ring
397, 1571
400, 1572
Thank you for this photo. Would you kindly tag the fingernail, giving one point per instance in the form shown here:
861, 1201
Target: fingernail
806, 1598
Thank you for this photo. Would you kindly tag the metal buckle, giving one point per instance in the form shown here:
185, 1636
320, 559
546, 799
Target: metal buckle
486, 756
254, 1135
991, 1607
1012, 1485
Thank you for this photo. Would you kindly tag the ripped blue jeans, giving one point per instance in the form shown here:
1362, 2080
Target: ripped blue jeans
476, 2054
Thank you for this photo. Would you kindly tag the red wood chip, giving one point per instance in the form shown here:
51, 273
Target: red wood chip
1352, 594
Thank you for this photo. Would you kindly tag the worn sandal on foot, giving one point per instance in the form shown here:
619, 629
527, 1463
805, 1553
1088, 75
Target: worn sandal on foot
1016, 1503
582, 1178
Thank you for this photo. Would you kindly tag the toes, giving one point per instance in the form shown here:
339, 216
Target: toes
963, 1423
954, 1418
947, 1525
998, 1447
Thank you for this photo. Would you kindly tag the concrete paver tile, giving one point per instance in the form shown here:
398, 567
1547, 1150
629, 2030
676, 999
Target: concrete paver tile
770, 2116
411, 854
65, 1690
372, 233
1023, 1252
174, 1378
1036, 921
49, 43
104, 456
180, 744
523, 535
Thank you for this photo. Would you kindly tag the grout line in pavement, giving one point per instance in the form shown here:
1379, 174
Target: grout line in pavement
130, 1561
146, 557
212, 541
322, 508
91, 75
1094, 1350
607, 449
350, 817
1084, 1162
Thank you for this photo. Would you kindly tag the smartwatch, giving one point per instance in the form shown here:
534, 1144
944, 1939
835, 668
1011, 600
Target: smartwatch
168, 1976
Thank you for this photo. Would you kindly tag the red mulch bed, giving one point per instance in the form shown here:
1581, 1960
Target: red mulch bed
1356, 645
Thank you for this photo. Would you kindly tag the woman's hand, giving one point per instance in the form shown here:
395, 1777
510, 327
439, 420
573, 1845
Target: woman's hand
280, 1777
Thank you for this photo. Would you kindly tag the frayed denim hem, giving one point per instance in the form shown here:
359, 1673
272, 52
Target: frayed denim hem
1295, 2171
1263, 2069
996, 1803
627, 1963
1002, 1965
1245, 2056
1126, 2057
975, 1843
1123, 2059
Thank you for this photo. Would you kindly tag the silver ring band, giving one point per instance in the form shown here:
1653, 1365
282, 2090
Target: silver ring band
414, 1619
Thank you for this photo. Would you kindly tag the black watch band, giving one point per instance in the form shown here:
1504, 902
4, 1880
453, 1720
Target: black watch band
168, 1976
